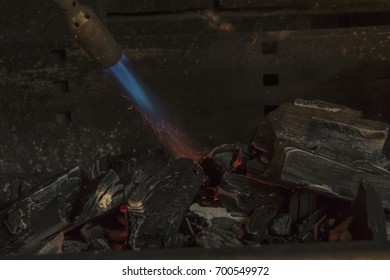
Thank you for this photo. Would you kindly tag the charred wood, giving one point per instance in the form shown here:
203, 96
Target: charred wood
40, 215
369, 221
327, 175
158, 203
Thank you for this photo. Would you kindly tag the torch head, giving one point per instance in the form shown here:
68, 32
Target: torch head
69, 7
90, 33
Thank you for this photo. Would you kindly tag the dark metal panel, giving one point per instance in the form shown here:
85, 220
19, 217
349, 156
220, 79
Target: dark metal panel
155, 6
304, 4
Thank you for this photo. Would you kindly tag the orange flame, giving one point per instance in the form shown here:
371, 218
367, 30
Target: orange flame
175, 141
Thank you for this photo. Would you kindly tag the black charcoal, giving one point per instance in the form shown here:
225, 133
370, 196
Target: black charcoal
215, 238
281, 225
305, 229
99, 245
91, 231
327, 175
258, 224
157, 204
108, 195
302, 203
328, 130
369, 221
40, 215
74, 246
248, 192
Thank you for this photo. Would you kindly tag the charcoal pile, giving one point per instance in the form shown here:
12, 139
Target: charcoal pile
313, 172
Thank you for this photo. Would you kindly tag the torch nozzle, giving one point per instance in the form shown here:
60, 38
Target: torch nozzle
70, 7
90, 33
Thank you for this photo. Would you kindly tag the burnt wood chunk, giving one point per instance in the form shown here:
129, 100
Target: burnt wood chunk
40, 215
258, 224
325, 129
158, 203
369, 220
327, 175
302, 203
281, 225
305, 229
107, 195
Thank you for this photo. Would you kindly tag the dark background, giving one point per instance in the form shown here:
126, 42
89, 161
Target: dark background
220, 66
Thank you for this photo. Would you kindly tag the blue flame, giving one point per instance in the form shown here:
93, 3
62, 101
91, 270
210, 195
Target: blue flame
134, 89
152, 110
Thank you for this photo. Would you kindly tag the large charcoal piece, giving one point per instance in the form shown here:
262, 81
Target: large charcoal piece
327, 147
325, 129
158, 202
40, 215
259, 222
328, 175
109, 194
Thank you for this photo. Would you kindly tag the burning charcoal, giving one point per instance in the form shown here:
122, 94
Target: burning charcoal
108, 195
214, 238
219, 215
74, 246
157, 204
305, 229
324, 174
260, 219
281, 225
322, 128
221, 160
369, 221
242, 194
41, 214
302, 204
